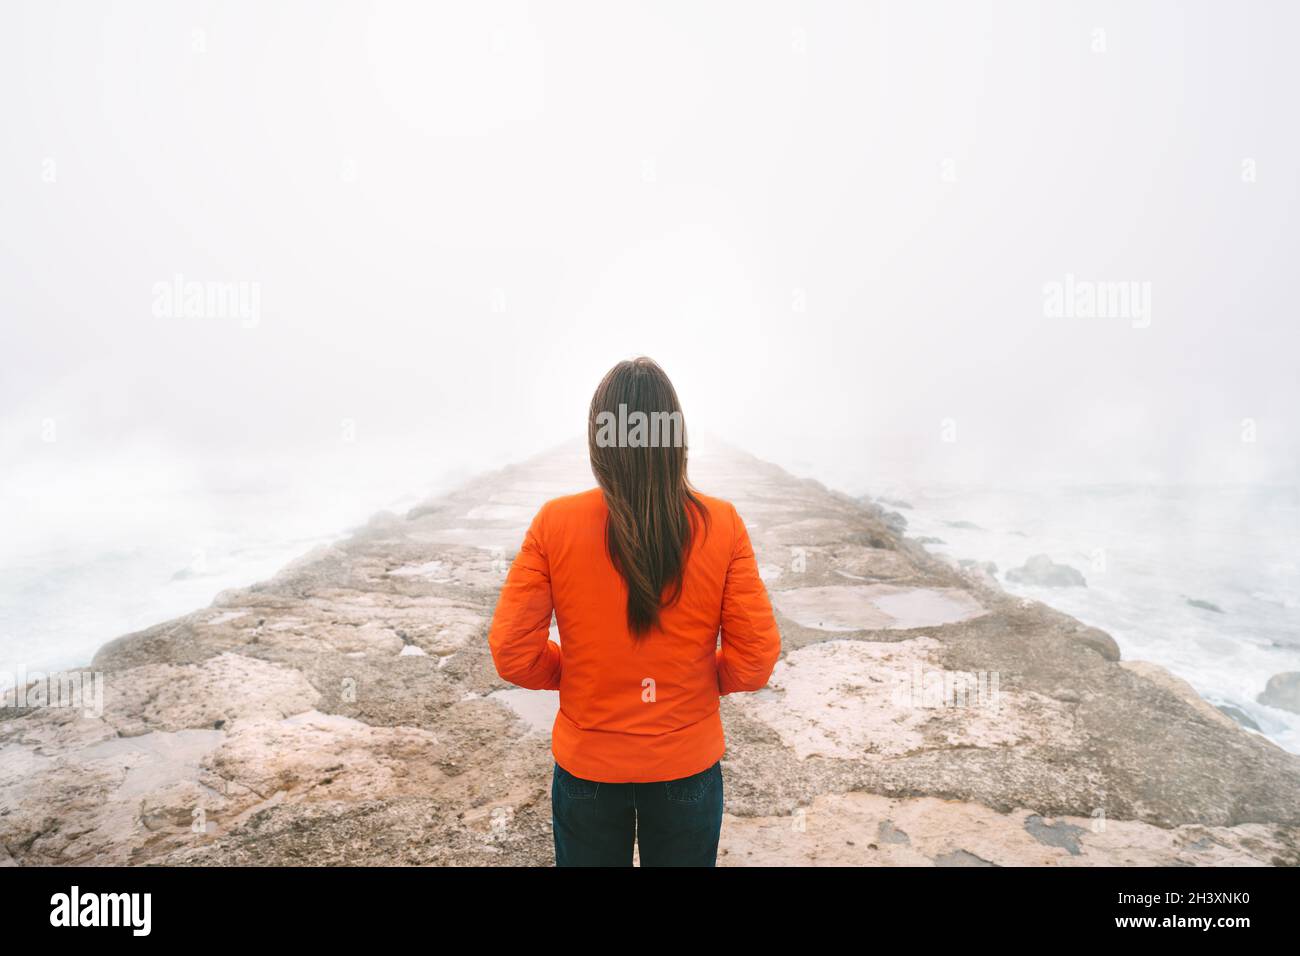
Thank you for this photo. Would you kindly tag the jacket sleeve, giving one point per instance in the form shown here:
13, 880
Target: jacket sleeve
519, 637
751, 642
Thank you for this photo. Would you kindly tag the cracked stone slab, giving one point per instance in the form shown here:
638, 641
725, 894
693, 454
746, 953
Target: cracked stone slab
875, 607
861, 700
864, 829
328, 756
223, 688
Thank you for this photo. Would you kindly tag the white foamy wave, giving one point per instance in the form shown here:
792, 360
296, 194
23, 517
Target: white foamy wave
1201, 580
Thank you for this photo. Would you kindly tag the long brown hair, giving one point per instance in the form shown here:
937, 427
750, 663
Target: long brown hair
637, 440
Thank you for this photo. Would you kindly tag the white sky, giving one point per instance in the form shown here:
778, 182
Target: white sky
673, 179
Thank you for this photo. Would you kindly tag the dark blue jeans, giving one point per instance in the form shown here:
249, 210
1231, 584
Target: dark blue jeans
675, 822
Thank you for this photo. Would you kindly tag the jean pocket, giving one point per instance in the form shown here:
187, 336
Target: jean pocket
575, 788
693, 788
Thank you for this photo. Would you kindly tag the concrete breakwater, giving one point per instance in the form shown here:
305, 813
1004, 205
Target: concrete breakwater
347, 711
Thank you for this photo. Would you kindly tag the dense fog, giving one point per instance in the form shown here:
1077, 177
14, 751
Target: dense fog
323, 257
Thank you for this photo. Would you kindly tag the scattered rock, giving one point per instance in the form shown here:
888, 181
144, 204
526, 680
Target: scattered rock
894, 521
891, 519
1283, 690
1042, 571
1239, 715
1205, 605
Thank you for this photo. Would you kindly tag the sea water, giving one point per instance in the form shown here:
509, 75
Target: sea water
1147, 553
95, 551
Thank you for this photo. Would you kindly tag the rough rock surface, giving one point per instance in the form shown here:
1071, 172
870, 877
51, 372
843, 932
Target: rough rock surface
347, 711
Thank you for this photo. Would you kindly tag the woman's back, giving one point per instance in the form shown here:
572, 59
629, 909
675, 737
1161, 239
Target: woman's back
644, 575
634, 708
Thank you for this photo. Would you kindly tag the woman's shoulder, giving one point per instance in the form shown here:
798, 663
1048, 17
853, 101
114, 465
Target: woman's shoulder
717, 507
579, 503
722, 522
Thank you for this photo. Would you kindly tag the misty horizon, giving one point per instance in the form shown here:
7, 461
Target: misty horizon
452, 234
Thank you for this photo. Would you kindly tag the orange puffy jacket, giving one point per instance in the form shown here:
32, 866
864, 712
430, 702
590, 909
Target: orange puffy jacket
633, 712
